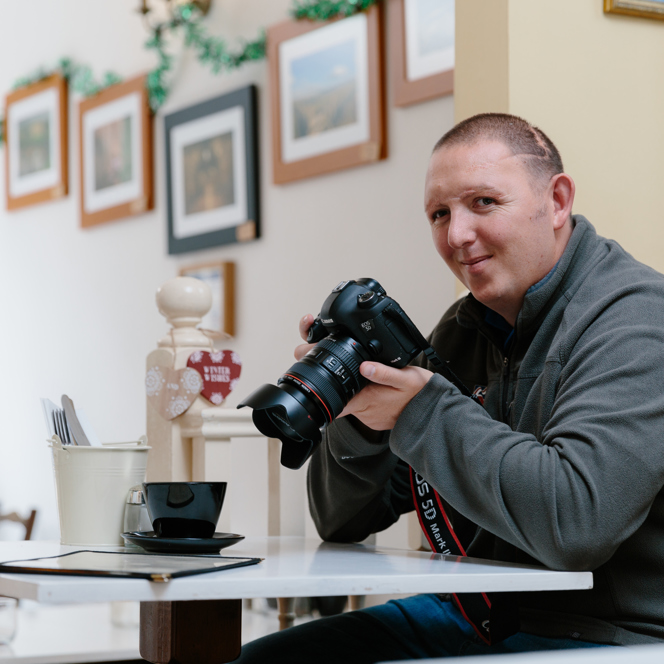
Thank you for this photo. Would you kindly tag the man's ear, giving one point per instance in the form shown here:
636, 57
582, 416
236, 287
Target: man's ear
562, 190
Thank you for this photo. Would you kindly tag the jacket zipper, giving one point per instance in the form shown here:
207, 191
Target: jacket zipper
506, 373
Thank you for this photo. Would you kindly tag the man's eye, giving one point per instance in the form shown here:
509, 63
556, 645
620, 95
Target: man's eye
438, 215
485, 200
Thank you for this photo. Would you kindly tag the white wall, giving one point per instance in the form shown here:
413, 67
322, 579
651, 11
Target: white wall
79, 314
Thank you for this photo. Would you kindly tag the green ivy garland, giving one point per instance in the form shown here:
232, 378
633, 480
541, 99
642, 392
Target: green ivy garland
79, 78
210, 51
322, 10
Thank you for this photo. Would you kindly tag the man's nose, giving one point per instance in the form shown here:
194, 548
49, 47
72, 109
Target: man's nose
461, 230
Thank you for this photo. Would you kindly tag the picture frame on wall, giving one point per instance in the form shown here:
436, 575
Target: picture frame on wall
212, 172
220, 277
644, 8
115, 137
327, 95
421, 36
36, 154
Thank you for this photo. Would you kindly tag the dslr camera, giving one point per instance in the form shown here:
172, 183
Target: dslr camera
357, 322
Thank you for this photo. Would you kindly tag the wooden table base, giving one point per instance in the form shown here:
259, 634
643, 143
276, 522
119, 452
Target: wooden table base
194, 632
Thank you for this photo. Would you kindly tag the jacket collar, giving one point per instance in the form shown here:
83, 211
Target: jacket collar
540, 296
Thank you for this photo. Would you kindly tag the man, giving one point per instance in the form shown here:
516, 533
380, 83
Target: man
563, 464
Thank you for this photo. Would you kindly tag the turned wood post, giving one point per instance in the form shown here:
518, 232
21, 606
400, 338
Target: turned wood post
183, 301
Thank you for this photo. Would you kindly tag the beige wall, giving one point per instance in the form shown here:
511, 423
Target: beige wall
593, 83
78, 306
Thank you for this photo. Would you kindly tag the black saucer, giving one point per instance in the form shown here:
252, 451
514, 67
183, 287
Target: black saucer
153, 544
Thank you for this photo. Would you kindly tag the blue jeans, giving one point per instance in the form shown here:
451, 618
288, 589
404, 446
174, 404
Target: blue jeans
412, 628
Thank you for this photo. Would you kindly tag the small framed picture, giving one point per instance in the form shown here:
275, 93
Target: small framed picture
212, 172
115, 128
422, 49
220, 277
36, 149
327, 95
645, 8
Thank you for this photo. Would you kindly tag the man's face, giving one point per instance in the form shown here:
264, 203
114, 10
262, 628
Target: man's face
491, 222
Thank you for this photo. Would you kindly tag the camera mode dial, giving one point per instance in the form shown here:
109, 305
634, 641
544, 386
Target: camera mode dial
367, 299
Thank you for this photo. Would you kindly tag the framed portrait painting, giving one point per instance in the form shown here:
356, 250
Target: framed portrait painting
36, 143
422, 49
220, 277
645, 8
327, 95
115, 128
212, 172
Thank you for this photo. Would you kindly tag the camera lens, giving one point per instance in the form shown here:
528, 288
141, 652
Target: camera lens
310, 395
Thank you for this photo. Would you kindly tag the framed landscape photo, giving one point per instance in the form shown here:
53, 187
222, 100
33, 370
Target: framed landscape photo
327, 94
422, 49
645, 8
115, 128
212, 172
220, 277
36, 143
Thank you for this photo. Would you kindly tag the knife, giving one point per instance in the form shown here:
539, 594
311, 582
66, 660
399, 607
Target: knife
72, 420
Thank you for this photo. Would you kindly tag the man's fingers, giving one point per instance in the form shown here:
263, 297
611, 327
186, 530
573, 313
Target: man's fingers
383, 375
305, 324
302, 350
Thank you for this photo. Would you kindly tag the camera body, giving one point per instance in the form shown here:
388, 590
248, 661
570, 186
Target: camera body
357, 322
362, 311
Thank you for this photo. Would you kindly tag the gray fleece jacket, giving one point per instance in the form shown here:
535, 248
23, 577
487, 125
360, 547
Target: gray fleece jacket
564, 463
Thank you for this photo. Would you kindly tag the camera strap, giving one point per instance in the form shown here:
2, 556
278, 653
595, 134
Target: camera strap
444, 369
492, 618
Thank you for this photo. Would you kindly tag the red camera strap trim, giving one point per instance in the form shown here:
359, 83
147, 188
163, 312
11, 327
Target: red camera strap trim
476, 608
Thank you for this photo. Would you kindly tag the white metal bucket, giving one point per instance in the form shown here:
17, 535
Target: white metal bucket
92, 485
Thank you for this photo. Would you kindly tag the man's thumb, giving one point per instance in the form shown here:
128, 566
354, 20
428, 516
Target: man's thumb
379, 373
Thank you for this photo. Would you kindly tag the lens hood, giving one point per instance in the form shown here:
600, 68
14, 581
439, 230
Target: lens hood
279, 414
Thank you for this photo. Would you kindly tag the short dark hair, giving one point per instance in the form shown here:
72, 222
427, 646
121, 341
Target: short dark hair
542, 158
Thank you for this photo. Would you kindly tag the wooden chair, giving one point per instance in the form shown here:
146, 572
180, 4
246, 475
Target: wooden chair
28, 522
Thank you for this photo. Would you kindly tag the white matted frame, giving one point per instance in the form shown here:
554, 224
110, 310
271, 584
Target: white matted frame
36, 143
212, 172
422, 49
115, 131
220, 277
327, 95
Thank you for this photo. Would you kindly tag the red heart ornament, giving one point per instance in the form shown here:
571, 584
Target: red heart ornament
220, 371
172, 391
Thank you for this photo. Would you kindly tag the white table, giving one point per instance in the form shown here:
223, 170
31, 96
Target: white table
293, 567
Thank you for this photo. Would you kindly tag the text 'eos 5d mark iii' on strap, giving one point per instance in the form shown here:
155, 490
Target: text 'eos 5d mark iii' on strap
492, 617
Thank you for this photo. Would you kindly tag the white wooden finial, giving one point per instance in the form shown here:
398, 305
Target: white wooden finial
184, 301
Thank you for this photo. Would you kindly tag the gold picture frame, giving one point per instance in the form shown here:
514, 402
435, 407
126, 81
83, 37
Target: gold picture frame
416, 78
36, 157
220, 277
115, 139
327, 95
643, 8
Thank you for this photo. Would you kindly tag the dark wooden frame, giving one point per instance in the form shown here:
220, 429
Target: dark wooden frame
407, 92
227, 269
370, 151
145, 201
60, 189
641, 8
248, 229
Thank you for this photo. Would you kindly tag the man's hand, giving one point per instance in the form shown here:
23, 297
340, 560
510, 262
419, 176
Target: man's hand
380, 403
303, 349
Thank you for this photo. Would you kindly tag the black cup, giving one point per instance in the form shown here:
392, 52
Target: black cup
184, 509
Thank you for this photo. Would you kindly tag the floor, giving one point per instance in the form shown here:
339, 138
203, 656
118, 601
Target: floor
102, 632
